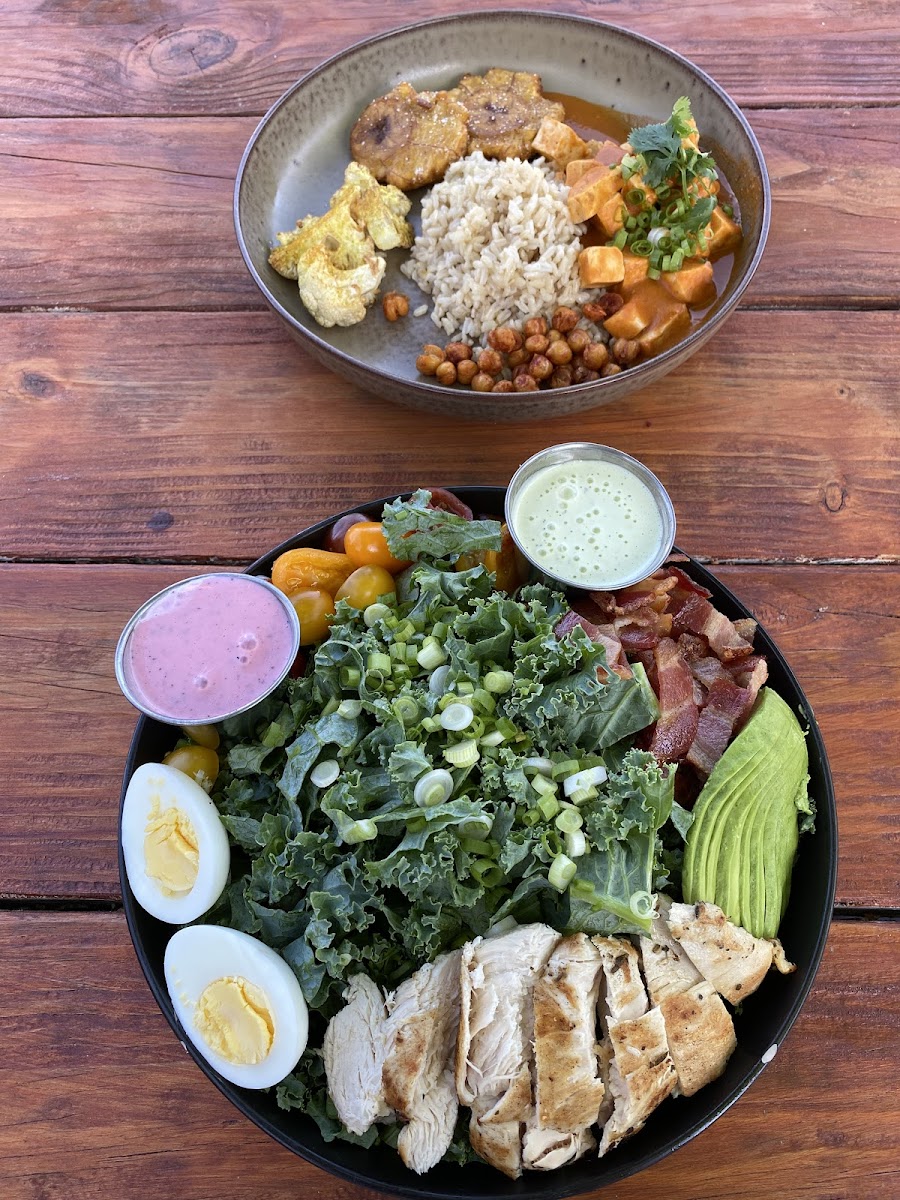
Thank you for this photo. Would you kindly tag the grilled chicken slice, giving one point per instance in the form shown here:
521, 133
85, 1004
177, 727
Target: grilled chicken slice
410, 138
568, 1088
547, 1149
700, 1034
505, 111
624, 996
354, 1050
423, 1016
733, 961
641, 1074
493, 1054
667, 968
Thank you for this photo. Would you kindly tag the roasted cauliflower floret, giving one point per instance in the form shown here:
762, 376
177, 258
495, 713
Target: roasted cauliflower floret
333, 257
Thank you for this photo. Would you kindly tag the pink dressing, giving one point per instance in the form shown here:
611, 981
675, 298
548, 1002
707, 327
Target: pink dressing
207, 648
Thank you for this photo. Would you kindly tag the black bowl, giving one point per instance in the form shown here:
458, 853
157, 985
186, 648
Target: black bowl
761, 1026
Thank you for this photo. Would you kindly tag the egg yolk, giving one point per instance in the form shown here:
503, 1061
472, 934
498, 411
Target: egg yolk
235, 1020
171, 856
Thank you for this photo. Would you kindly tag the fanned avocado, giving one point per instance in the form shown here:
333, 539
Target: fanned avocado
742, 842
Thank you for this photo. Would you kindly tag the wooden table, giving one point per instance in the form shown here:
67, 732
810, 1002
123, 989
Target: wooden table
156, 420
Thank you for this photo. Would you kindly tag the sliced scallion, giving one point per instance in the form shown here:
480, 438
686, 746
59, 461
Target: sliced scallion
432, 788
374, 613
499, 682
562, 872
463, 754
457, 717
431, 655
576, 843
437, 683
569, 820
350, 709
325, 773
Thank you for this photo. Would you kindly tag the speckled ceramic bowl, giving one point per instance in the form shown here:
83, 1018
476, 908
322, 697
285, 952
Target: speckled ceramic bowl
296, 160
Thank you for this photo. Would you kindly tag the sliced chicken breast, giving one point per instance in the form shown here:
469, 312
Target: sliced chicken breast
733, 961
667, 968
500, 1145
547, 1149
420, 1034
354, 1050
641, 1075
624, 995
568, 1087
700, 1034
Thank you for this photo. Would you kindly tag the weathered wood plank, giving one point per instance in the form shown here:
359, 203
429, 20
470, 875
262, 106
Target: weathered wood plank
81, 1025
67, 57
197, 435
66, 727
158, 193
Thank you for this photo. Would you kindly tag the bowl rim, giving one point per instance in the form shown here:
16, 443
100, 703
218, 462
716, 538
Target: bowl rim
698, 334
554, 1185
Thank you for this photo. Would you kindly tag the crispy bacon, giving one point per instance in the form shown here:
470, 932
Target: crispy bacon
598, 607
605, 635
684, 582
677, 725
697, 615
725, 708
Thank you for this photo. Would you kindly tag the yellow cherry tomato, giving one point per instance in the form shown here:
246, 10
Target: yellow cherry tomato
366, 545
315, 609
296, 570
202, 735
508, 564
365, 585
199, 762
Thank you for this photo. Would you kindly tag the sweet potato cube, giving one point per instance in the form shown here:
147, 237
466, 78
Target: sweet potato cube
670, 323
634, 317
608, 152
559, 141
635, 267
723, 235
611, 217
594, 189
600, 266
578, 167
692, 284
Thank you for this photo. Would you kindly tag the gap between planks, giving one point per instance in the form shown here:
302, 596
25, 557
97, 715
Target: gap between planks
195, 560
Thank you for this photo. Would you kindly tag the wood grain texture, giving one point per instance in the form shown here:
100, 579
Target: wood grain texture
154, 224
204, 435
67, 727
181, 56
102, 1102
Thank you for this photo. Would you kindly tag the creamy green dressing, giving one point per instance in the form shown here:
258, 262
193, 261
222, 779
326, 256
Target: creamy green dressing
591, 523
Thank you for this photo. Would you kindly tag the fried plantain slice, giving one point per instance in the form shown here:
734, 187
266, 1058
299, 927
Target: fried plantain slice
505, 110
409, 138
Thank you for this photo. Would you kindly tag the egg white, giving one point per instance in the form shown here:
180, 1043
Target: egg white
155, 783
199, 955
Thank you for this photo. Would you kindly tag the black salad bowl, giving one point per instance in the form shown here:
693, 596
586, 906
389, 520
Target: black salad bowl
761, 1026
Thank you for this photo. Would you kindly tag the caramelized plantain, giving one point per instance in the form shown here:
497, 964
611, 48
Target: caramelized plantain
410, 138
505, 111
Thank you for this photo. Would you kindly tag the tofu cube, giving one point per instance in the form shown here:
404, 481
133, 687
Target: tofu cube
635, 268
559, 141
578, 167
594, 189
693, 284
648, 300
611, 217
600, 266
723, 235
669, 324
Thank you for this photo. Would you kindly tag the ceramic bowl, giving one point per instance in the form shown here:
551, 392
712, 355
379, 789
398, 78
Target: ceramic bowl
296, 159
761, 1025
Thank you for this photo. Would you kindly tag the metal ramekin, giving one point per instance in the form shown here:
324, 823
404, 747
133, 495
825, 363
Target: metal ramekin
579, 451
213, 718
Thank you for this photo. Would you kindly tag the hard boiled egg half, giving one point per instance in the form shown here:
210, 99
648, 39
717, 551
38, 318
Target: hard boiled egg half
239, 1003
175, 846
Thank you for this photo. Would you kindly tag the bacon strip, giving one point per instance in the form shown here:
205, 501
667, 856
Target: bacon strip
697, 615
677, 725
726, 707
605, 635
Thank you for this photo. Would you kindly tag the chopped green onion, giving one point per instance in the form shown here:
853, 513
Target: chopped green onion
631, 224
642, 247
576, 843
567, 767
477, 728
507, 728
456, 717
434, 787
494, 738
486, 872
332, 706
541, 766
465, 688
437, 683
582, 795
641, 904
406, 710
530, 817
431, 655
475, 846
397, 652
404, 632
378, 661
562, 872
431, 724
643, 220
621, 238
350, 709
667, 262
543, 786
325, 773
677, 259
440, 630
727, 210
476, 827
463, 754
569, 820
549, 806
359, 831
448, 699
499, 682
653, 272
350, 677
484, 700
635, 196
589, 777
374, 613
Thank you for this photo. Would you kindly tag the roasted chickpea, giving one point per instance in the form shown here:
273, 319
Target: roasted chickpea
431, 348
599, 310
466, 370
578, 339
457, 352
490, 362
427, 364
505, 340
562, 377
525, 383
482, 382
625, 350
559, 352
554, 336
595, 356
534, 325
518, 357
503, 385
537, 343
564, 319
582, 374
611, 369
395, 305
540, 367
446, 374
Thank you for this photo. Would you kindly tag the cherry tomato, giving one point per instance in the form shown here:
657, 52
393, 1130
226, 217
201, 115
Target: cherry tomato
365, 585
201, 763
315, 609
334, 539
508, 564
365, 544
449, 502
202, 735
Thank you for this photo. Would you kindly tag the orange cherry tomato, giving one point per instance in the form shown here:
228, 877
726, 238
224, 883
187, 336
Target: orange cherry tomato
315, 608
365, 586
199, 762
365, 545
508, 564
